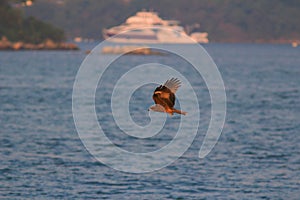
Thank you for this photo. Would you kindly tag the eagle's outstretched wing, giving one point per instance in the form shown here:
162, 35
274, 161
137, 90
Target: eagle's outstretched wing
173, 84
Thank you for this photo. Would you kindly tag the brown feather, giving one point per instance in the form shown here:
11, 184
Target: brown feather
165, 96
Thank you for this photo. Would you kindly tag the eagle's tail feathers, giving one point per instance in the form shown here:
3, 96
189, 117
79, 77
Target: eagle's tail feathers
179, 112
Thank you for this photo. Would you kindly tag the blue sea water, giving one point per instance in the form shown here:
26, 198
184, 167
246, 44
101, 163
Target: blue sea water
256, 157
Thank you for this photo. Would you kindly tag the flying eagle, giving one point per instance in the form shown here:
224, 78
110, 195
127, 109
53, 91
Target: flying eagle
164, 97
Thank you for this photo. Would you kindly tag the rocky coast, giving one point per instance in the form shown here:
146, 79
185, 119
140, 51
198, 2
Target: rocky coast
48, 44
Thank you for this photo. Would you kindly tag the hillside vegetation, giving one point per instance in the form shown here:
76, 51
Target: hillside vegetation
15, 27
224, 20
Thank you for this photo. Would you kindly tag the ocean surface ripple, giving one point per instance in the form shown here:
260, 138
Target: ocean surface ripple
256, 157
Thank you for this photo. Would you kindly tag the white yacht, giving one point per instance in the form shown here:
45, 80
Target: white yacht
148, 27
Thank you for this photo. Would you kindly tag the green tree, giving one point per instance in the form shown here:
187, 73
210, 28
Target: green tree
16, 27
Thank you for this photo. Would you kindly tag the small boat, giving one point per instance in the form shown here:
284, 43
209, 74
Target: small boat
148, 27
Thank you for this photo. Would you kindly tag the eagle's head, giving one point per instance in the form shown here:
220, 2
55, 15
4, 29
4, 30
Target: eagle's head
157, 108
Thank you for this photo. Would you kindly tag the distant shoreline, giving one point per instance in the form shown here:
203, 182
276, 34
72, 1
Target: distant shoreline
48, 44
279, 41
